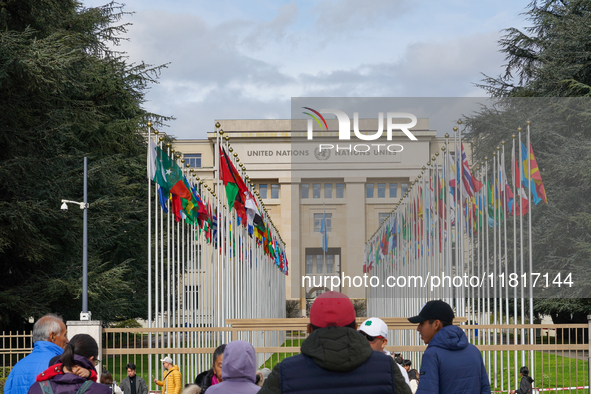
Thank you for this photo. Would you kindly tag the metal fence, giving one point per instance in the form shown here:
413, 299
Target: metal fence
558, 357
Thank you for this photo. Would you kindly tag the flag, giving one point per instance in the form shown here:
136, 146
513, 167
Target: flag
522, 206
534, 177
323, 231
163, 199
235, 186
166, 173
451, 174
471, 184
507, 192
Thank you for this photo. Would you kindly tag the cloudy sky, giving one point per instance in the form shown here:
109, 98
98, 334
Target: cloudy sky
231, 59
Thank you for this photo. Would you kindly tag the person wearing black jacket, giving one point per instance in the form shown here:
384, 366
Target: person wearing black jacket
213, 375
525, 384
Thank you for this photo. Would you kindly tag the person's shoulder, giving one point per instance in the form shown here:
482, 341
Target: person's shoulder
99, 388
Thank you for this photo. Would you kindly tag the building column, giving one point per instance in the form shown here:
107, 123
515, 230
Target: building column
352, 258
290, 230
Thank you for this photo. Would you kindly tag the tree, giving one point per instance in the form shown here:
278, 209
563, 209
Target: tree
550, 59
67, 95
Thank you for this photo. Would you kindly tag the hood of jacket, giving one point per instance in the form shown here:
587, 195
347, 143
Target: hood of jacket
239, 362
173, 368
450, 337
340, 349
70, 378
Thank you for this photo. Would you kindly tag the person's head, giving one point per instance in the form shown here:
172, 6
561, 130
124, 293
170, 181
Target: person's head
332, 309
51, 328
82, 345
524, 371
130, 370
433, 317
106, 377
239, 362
217, 360
166, 362
376, 332
259, 381
407, 364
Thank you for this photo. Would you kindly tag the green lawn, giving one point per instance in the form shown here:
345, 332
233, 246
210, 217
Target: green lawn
276, 358
552, 371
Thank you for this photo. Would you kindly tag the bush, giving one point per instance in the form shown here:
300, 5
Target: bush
292, 309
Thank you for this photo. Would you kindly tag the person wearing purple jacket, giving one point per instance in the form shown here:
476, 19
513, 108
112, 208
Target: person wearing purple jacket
82, 350
238, 370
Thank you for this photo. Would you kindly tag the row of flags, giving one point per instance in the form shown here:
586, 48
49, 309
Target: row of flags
414, 225
241, 199
181, 194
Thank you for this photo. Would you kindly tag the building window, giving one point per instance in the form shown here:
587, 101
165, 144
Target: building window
369, 190
319, 264
318, 222
309, 264
404, 188
275, 191
383, 216
340, 190
305, 190
193, 160
263, 190
393, 190
316, 190
328, 190
381, 190
329, 263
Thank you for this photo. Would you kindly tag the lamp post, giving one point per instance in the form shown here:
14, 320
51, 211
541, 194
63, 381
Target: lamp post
85, 314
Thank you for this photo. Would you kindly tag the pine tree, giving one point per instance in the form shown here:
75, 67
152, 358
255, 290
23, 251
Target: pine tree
551, 59
66, 95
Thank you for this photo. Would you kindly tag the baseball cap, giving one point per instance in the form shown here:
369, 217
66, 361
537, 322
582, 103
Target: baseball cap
436, 309
374, 327
166, 360
332, 309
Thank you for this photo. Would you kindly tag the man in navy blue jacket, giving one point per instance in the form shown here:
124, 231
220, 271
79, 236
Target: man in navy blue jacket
450, 364
335, 358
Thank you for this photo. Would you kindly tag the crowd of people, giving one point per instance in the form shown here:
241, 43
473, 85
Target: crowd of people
336, 357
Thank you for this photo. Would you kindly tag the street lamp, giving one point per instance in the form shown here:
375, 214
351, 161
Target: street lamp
85, 314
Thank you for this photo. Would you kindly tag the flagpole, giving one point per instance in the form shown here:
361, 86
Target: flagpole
149, 244
531, 290
514, 207
494, 261
504, 182
323, 225
521, 250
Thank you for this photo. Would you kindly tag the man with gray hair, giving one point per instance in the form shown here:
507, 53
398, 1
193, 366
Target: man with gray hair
49, 339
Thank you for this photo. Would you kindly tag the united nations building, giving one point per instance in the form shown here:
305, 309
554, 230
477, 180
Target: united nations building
300, 181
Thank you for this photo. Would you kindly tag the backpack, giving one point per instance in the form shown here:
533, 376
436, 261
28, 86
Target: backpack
46, 387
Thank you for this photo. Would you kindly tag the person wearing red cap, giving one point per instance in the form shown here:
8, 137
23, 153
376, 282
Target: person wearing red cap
335, 358
450, 363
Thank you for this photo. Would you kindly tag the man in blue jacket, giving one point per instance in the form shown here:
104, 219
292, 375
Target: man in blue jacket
450, 364
49, 339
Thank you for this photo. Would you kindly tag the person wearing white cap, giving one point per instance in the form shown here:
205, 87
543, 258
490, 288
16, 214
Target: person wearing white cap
172, 381
376, 332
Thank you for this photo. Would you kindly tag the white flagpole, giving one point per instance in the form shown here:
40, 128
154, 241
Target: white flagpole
149, 158
531, 290
521, 252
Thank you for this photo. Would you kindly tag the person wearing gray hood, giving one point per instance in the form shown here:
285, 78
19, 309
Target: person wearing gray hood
238, 370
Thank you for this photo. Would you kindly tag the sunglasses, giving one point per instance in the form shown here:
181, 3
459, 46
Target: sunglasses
370, 338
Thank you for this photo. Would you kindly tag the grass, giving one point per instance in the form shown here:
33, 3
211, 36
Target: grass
552, 371
276, 358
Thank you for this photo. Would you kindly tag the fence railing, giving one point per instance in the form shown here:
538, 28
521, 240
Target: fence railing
557, 355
